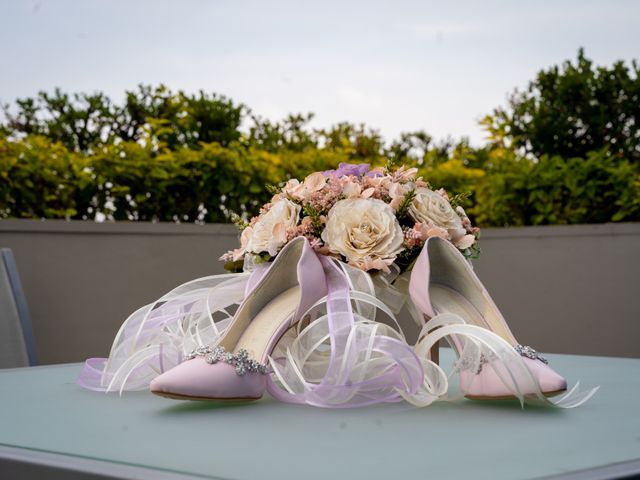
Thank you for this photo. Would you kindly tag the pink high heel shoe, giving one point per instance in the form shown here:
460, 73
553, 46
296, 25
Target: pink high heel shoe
442, 281
235, 369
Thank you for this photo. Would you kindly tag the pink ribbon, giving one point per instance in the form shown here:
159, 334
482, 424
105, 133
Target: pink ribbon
336, 389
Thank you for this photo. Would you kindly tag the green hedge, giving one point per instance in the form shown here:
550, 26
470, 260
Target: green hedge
516, 191
127, 181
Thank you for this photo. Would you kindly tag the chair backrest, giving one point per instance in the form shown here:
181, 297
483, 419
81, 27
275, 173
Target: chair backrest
17, 346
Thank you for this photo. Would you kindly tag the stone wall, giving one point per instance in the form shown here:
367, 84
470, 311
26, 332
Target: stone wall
570, 289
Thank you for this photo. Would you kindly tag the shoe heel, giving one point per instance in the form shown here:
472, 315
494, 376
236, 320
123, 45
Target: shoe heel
434, 353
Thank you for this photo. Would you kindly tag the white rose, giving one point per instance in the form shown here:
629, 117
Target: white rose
269, 233
431, 207
365, 231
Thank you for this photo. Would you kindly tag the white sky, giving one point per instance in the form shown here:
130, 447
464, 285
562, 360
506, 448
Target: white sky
397, 66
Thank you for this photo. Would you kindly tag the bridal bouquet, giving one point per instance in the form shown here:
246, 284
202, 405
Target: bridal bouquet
369, 218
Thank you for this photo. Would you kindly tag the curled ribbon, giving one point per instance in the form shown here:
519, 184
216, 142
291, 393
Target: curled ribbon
342, 358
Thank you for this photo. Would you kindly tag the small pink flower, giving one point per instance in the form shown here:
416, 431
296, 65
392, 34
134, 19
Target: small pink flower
292, 183
413, 237
351, 189
419, 231
465, 242
307, 222
380, 185
315, 182
316, 244
238, 253
466, 223
397, 193
396, 190
304, 229
404, 174
369, 263
325, 198
293, 188
226, 257
432, 230
368, 192
312, 184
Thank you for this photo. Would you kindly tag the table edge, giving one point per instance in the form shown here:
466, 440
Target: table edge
118, 470
92, 466
618, 470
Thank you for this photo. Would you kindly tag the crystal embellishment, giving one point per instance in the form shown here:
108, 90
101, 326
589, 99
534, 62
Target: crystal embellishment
527, 351
240, 360
523, 350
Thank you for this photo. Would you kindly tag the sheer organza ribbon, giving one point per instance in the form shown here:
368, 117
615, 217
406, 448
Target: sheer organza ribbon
345, 356
158, 336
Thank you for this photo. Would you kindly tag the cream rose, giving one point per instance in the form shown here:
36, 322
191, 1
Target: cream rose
269, 233
433, 208
365, 231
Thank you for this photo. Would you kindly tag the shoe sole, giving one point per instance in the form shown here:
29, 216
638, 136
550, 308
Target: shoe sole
177, 396
513, 397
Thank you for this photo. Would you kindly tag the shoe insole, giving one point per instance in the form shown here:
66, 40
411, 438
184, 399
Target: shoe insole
447, 300
267, 323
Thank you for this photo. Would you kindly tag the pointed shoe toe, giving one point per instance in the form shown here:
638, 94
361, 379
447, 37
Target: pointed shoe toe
198, 380
488, 384
549, 380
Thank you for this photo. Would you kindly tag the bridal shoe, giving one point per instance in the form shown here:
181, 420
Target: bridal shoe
442, 281
237, 367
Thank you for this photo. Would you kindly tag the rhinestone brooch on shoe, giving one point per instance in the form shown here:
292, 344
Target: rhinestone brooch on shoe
529, 352
523, 350
240, 360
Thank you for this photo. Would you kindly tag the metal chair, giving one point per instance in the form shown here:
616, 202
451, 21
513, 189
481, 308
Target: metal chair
17, 346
